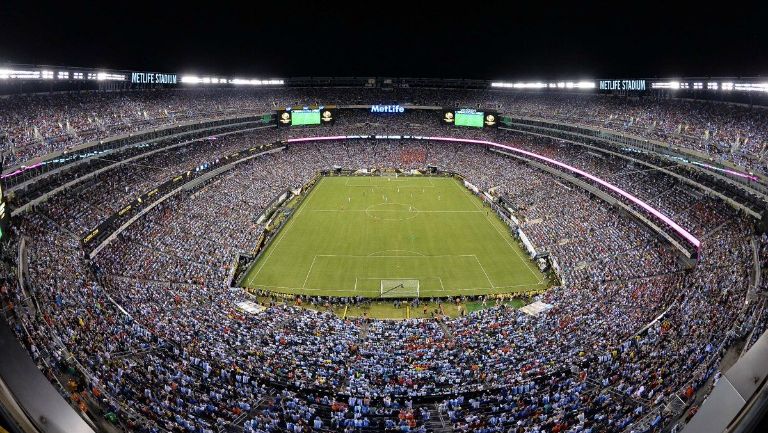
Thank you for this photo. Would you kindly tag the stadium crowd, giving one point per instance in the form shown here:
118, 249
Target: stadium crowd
37, 125
162, 340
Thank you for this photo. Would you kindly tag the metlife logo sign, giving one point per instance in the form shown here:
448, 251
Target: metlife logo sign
387, 109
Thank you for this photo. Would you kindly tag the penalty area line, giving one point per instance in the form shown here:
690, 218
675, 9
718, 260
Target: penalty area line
283, 232
303, 286
486, 273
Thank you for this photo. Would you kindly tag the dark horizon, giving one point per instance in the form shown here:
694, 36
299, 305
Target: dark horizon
491, 40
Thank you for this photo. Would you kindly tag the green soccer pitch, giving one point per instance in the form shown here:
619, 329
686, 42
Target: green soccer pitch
393, 237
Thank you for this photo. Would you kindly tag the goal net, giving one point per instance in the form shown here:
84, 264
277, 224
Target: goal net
400, 288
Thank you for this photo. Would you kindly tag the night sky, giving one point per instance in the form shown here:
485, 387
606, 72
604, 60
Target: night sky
473, 39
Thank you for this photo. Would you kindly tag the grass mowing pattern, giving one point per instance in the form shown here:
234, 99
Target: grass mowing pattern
351, 233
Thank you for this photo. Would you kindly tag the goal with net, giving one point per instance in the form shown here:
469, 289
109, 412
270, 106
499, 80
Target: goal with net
399, 288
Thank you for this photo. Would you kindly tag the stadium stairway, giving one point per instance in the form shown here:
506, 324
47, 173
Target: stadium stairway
751, 337
57, 225
363, 331
620, 395
714, 230
587, 263
236, 426
646, 277
438, 421
757, 271
137, 353
446, 330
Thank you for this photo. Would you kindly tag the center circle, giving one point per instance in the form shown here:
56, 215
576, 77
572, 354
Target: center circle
392, 211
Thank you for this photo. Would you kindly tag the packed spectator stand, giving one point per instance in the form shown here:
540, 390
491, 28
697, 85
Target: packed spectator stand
156, 337
36, 125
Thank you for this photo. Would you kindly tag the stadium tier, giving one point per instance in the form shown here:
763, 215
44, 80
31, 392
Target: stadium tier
228, 260
33, 126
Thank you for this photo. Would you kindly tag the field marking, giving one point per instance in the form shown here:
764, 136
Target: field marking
383, 186
526, 261
306, 204
483, 269
459, 289
371, 184
406, 211
393, 278
455, 289
310, 271
283, 233
521, 285
408, 251
302, 207
465, 192
411, 214
396, 257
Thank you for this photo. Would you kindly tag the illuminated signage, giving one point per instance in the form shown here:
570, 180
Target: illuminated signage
90, 236
3, 212
387, 109
152, 78
622, 84
305, 116
470, 117
542, 85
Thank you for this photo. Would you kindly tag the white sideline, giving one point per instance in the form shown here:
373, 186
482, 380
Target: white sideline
525, 260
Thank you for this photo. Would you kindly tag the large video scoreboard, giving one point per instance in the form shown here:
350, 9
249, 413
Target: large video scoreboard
306, 116
469, 117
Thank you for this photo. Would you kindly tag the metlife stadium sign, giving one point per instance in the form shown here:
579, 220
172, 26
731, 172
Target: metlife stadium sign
387, 109
635, 85
152, 78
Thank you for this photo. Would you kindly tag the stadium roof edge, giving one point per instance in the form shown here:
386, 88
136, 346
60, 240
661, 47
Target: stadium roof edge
4, 67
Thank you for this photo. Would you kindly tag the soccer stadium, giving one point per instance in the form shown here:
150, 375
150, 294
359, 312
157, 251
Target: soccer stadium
233, 253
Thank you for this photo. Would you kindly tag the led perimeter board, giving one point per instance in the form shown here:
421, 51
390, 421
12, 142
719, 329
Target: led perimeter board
469, 117
5, 214
306, 116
